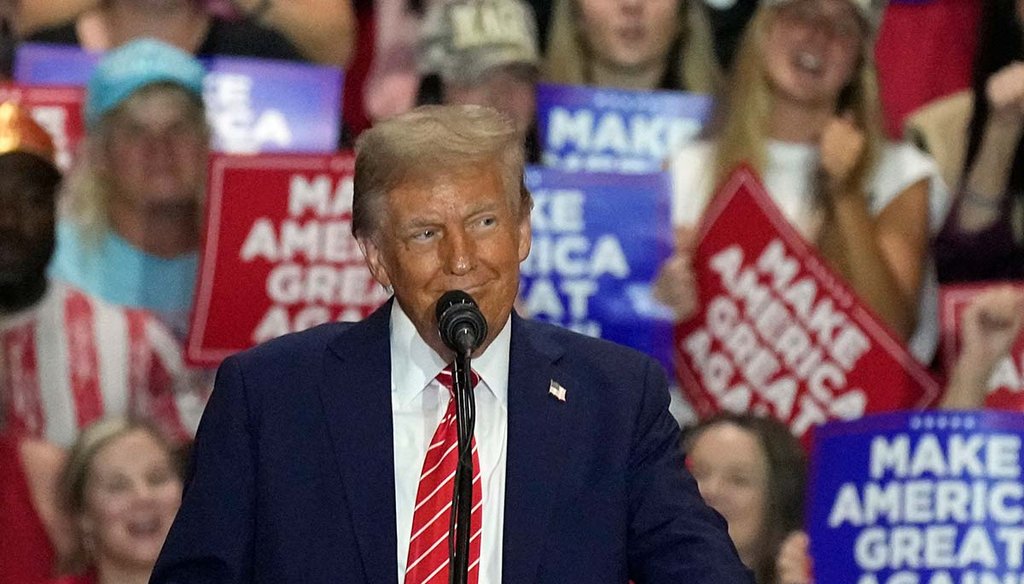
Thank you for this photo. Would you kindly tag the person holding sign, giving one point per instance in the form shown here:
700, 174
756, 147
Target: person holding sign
131, 234
752, 470
804, 113
310, 460
984, 237
663, 44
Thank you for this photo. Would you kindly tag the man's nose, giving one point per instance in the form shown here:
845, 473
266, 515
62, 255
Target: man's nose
460, 252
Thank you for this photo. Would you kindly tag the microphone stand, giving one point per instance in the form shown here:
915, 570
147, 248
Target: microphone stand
462, 499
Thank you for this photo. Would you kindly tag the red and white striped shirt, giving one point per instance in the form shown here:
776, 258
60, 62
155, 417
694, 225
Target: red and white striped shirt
72, 359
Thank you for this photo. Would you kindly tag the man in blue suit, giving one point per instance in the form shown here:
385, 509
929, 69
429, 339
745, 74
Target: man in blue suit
309, 466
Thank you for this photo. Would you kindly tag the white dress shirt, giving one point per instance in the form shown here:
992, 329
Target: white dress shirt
418, 403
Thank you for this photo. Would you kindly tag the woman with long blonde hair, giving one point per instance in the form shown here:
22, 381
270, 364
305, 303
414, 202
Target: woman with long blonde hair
631, 44
803, 111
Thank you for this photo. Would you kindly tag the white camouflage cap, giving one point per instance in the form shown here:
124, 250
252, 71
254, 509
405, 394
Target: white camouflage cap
461, 40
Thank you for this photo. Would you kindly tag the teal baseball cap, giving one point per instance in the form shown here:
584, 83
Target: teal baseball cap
132, 66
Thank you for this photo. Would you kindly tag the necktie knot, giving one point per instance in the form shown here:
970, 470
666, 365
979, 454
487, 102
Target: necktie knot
446, 378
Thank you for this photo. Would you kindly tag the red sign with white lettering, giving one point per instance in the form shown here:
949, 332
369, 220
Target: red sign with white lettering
1006, 386
57, 109
778, 332
278, 253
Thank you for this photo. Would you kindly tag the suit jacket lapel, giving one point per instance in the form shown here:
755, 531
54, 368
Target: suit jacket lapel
540, 430
356, 394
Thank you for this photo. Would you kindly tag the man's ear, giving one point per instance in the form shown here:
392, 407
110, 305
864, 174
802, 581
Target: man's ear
374, 260
525, 236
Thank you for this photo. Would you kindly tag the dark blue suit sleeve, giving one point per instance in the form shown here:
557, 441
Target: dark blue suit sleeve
674, 536
212, 536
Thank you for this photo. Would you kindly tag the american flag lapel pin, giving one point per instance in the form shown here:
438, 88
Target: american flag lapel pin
557, 390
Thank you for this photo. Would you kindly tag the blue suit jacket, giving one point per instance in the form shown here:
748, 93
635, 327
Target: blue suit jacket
292, 474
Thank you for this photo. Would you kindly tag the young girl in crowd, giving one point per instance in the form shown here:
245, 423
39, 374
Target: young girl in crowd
121, 489
631, 44
984, 237
752, 471
803, 110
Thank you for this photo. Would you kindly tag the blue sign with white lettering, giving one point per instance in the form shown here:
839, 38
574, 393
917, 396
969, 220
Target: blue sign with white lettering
598, 242
929, 497
253, 105
600, 129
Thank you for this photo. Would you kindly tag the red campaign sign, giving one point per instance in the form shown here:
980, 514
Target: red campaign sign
1006, 386
778, 332
58, 109
278, 253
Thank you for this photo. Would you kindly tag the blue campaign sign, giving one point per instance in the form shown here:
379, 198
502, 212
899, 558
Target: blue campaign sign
615, 130
272, 106
598, 241
43, 64
929, 497
253, 105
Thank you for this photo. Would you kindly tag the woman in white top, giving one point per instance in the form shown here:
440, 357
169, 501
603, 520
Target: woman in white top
804, 112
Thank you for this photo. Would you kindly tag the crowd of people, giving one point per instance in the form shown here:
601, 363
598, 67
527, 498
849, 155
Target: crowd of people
98, 267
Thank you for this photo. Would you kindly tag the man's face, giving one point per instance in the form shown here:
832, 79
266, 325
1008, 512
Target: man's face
27, 211
451, 232
511, 90
156, 152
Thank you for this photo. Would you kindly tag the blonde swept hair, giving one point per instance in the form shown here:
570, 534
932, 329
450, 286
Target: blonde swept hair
88, 190
432, 141
568, 58
743, 117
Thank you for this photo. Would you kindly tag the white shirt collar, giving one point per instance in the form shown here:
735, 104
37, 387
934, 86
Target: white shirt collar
414, 364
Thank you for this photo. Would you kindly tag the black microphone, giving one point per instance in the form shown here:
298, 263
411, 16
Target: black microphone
460, 322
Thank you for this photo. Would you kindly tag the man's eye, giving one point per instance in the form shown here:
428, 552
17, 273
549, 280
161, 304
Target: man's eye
424, 234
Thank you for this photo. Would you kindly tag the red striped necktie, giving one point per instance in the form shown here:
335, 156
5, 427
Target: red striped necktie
428, 545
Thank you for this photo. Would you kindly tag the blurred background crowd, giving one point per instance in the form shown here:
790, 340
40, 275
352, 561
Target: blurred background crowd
889, 135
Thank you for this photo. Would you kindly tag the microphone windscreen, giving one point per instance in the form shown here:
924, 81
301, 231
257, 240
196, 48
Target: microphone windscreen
459, 321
